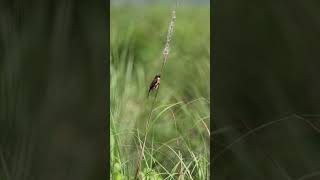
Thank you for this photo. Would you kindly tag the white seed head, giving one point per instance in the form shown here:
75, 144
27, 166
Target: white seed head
165, 52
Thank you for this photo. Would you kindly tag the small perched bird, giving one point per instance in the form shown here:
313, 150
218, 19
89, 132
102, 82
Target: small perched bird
154, 84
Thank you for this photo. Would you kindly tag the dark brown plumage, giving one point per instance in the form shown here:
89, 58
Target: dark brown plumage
154, 84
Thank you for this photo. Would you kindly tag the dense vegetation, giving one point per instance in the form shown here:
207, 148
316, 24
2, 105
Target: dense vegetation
178, 141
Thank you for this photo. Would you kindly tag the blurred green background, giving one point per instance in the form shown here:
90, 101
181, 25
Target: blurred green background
53, 64
266, 68
178, 142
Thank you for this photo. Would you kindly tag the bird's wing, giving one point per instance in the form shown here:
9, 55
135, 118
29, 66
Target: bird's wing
152, 84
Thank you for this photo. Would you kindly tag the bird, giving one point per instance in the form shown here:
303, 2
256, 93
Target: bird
154, 84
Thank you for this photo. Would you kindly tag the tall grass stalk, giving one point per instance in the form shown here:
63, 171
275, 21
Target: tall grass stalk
165, 54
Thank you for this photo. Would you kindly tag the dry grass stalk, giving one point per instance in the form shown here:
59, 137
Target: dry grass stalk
165, 54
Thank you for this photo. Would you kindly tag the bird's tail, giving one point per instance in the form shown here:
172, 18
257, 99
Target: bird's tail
148, 93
